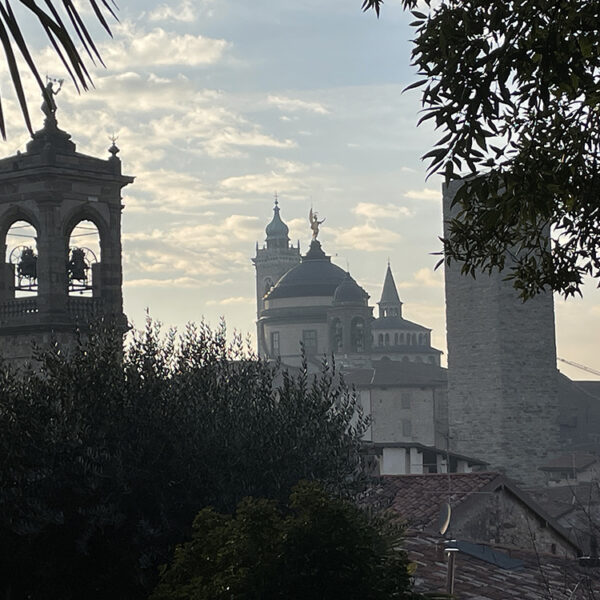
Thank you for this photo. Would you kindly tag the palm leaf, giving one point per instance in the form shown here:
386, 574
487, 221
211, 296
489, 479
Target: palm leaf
61, 39
14, 72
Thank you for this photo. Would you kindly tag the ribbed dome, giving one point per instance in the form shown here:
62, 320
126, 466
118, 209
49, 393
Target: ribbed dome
349, 292
277, 228
314, 276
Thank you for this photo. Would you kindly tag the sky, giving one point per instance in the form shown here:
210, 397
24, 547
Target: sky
218, 105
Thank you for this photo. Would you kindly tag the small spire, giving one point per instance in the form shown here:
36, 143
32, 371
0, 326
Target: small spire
390, 304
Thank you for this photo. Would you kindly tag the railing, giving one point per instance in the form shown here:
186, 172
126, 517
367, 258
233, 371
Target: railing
84, 309
18, 308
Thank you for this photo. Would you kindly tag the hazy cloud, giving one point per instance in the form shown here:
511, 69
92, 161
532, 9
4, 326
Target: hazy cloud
424, 194
371, 210
294, 104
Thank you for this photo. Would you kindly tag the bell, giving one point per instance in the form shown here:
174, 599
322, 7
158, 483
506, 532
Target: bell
27, 266
77, 265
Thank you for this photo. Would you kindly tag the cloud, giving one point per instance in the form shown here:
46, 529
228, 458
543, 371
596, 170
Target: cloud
134, 48
366, 237
181, 282
424, 194
231, 300
260, 183
294, 104
184, 12
381, 211
425, 277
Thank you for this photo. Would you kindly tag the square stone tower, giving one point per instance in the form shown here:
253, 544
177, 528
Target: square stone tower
502, 375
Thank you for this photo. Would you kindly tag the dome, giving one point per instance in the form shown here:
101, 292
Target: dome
277, 228
316, 275
349, 292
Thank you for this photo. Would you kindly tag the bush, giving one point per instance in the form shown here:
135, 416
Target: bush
319, 547
108, 455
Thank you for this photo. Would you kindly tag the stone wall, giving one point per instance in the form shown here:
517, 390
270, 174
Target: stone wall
502, 376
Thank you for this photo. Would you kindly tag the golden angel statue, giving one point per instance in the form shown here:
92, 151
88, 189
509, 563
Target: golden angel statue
313, 218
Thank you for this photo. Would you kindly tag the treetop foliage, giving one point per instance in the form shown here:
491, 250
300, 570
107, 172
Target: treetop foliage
317, 547
106, 456
513, 87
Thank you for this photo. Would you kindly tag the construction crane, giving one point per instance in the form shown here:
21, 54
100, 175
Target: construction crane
578, 366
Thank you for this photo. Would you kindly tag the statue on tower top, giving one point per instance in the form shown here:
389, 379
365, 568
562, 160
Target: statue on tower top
49, 104
313, 218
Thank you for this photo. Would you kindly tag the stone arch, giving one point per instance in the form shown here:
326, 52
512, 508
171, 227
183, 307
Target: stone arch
19, 269
87, 213
14, 214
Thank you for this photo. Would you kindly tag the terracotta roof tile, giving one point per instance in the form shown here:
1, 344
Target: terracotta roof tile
418, 497
475, 579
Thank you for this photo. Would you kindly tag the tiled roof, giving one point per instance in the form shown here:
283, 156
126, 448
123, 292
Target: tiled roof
418, 498
540, 577
396, 372
571, 460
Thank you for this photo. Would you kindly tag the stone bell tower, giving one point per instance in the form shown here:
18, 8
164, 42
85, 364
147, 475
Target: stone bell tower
53, 188
272, 262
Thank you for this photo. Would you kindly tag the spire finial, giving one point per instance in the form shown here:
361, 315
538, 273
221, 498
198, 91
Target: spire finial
276, 199
114, 149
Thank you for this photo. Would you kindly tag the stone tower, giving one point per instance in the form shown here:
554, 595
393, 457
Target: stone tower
272, 262
53, 188
502, 376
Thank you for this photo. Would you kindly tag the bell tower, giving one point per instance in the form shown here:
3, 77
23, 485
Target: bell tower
48, 289
272, 262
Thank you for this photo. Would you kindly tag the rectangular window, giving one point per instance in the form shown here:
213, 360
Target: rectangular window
405, 399
406, 428
309, 339
275, 343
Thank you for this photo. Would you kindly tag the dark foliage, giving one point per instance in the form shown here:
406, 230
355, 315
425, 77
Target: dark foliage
513, 85
320, 547
105, 458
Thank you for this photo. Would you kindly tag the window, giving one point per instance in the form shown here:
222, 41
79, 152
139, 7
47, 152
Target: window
309, 339
387, 339
380, 339
336, 335
395, 339
406, 428
275, 343
405, 399
357, 335
402, 338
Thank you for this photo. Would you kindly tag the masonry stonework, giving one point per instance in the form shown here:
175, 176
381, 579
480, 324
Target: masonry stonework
502, 376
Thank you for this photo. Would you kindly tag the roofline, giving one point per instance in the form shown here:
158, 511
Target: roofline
382, 445
505, 483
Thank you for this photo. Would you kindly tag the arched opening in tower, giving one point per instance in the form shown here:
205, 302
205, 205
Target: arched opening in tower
21, 263
83, 259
